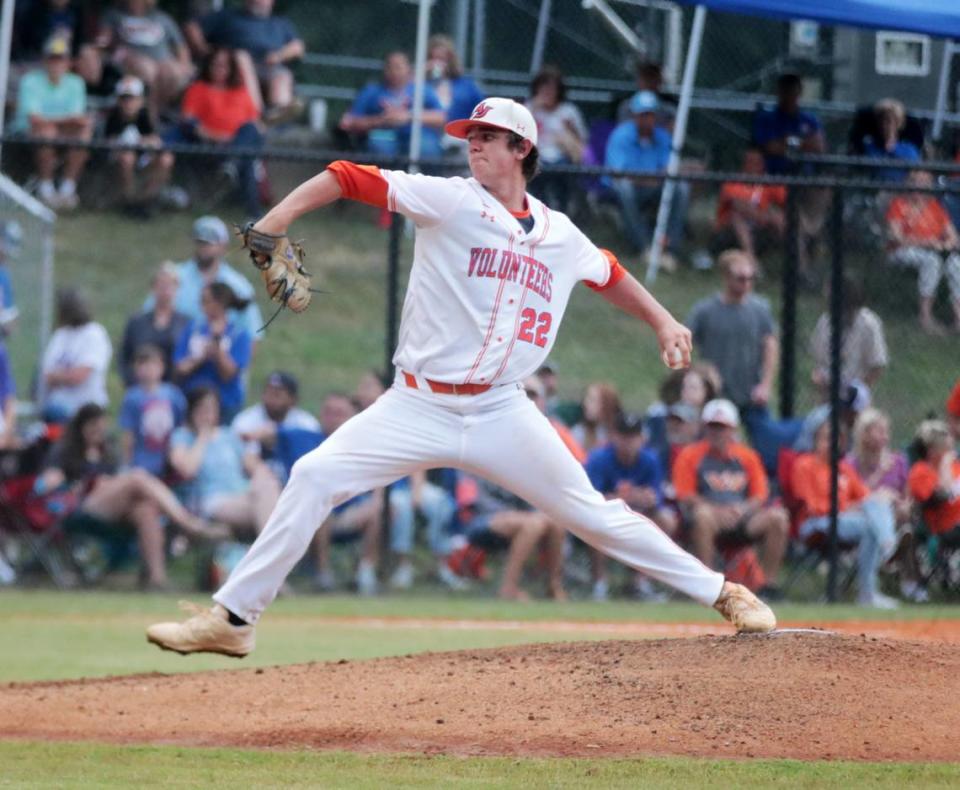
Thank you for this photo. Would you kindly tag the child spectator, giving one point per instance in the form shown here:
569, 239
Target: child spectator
922, 237
457, 93
150, 412
866, 520
8, 402
52, 103
215, 351
73, 370
11, 239
934, 481
129, 123
722, 487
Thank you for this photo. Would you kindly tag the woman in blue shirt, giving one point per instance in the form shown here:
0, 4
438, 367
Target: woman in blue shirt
457, 93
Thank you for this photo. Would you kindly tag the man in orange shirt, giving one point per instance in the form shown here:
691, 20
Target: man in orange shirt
934, 481
749, 216
923, 238
953, 411
722, 488
866, 520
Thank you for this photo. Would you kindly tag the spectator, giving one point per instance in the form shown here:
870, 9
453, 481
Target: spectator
884, 472
369, 388
161, 325
561, 135
208, 265
640, 146
863, 348
151, 410
953, 411
11, 240
108, 503
749, 216
599, 411
457, 93
551, 391
8, 402
722, 488
224, 483
493, 519
782, 132
73, 370
693, 386
891, 119
649, 77
382, 112
215, 351
52, 103
734, 329
864, 519
537, 392
147, 43
218, 110
265, 46
37, 22
129, 123
257, 425
934, 481
674, 421
922, 237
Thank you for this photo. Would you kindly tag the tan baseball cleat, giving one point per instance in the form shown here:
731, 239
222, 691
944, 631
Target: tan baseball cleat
207, 631
741, 607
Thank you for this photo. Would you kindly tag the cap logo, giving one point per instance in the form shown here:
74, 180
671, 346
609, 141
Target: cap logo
480, 110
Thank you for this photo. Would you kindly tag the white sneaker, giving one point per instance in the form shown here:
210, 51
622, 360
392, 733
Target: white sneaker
47, 193
741, 607
914, 592
207, 631
7, 574
402, 578
877, 600
366, 579
449, 578
601, 590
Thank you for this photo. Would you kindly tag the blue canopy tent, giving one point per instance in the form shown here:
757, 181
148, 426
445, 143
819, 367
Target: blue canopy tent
930, 17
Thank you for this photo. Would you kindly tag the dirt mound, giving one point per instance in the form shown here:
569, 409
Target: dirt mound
800, 695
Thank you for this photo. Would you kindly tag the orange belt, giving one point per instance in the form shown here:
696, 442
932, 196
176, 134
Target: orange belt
442, 388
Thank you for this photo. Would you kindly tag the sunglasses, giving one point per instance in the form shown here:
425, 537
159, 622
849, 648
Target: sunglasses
745, 278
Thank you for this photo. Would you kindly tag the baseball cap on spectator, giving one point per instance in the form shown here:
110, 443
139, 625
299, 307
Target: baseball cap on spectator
210, 230
721, 412
497, 114
130, 86
856, 396
684, 412
57, 46
627, 424
285, 381
643, 101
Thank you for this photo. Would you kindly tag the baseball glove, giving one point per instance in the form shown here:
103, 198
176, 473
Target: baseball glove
280, 262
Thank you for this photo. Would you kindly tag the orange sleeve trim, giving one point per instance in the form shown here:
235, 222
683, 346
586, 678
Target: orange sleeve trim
363, 183
617, 273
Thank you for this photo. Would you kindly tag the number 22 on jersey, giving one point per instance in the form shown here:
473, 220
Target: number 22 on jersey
529, 320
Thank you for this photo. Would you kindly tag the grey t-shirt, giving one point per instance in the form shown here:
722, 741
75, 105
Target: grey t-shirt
731, 337
153, 34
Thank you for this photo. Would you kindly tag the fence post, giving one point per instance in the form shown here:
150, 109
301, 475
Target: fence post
788, 310
836, 343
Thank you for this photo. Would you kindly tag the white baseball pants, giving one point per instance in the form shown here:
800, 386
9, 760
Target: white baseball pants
499, 435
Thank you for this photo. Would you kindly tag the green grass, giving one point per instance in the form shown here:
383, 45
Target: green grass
95, 766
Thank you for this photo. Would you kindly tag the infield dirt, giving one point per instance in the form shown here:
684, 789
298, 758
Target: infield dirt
797, 695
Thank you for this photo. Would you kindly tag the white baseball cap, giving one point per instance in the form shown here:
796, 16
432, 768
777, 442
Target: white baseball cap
497, 114
722, 412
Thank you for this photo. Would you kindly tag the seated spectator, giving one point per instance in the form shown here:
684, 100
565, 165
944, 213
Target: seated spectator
953, 411
934, 481
11, 241
537, 392
891, 119
257, 425
215, 351
693, 386
723, 491
494, 519
922, 237
209, 265
107, 503
674, 421
884, 471
8, 402
129, 123
640, 146
369, 388
265, 46
863, 348
457, 93
750, 217
864, 519
599, 411
561, 135
218, 110
649, 77
782, 132
223, 483
547, 374
151, 410
143, 41
52, 103
37, 22
73, 370
383, 111
160, 326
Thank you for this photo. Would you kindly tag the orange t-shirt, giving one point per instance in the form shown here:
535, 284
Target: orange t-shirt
723, 480
810, 482
221, 110
927, 222
567, 438
922, 481
761, 196
953, 402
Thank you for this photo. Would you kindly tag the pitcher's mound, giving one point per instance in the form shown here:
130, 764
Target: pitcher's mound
800, 695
